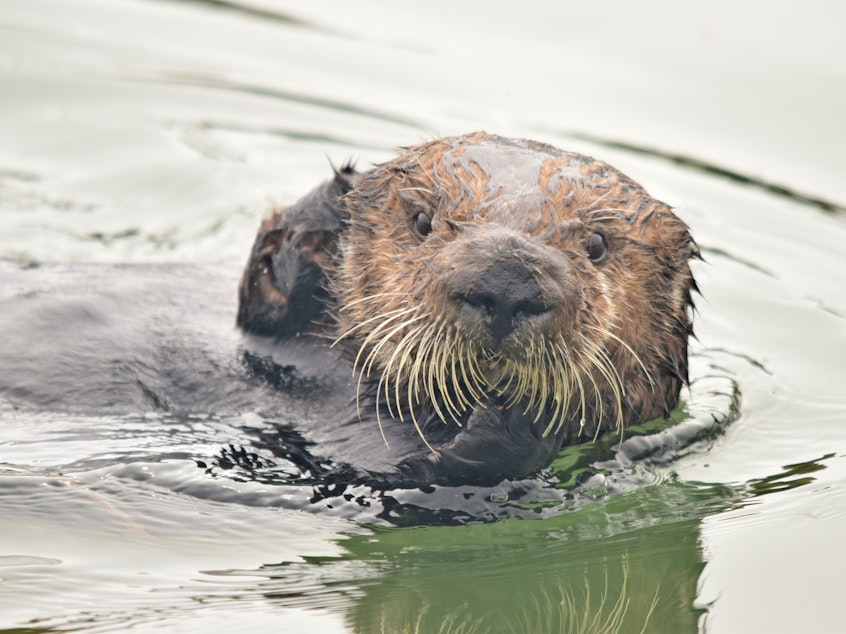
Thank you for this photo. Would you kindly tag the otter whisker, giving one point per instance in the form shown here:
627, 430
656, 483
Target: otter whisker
452, 409
523, 383
530, 385
462, 399
545, 395
607, 333
386, 318
476, 373
449, 362
561, 398
537, 381
409, 347
631, 351
543, 380
373, 297
430, 365
365, 368
473, 376
406, 345
392, 316
432, 368
388, 370
559, 391
612, 376
571, 375
384, 339
592, 360
600, 359
474, 394
514, 382
454, 398
383, 381
437, 376
420, 433
565, 385
503, 389
597, 201
387, 373
582, 396
602, 355
422, 350
392, 376
598, 404
379, 414
600, 407
603, 364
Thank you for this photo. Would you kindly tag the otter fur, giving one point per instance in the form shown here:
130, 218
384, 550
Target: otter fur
500, 297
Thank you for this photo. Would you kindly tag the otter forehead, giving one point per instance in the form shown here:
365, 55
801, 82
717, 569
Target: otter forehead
498, 178
507, 170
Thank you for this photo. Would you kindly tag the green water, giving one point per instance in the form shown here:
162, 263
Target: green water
153, 131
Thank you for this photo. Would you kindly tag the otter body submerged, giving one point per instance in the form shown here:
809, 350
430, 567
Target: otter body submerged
452, 316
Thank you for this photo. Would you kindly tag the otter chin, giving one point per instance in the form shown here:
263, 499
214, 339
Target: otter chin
501, 297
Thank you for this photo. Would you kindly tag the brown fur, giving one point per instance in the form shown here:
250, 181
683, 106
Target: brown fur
640, 293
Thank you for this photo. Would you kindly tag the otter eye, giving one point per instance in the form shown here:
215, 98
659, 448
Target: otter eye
596, 247
422, 224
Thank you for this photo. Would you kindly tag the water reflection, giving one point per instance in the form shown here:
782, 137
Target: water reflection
630, 564
613, 563
793, 476
541, 577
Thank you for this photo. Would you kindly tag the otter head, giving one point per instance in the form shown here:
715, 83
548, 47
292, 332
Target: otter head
479, 270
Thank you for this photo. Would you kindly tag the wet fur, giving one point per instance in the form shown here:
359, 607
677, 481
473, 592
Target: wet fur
344, 267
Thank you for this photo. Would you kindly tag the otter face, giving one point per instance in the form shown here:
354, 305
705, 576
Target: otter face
483, 270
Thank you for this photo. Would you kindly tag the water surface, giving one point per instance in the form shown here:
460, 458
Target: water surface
143, 131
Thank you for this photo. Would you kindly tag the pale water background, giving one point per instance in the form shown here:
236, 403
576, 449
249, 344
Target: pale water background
137, 131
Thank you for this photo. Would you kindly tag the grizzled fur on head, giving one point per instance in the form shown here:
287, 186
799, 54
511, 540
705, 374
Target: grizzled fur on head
479, 270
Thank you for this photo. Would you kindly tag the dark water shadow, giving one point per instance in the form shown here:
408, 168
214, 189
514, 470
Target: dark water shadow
722, 253
291, 134
700, 165
313, 101
255, 12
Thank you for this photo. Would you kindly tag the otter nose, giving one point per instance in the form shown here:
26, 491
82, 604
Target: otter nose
503, 295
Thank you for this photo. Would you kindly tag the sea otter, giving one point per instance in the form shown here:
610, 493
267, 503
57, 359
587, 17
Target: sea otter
499, 297
453, 316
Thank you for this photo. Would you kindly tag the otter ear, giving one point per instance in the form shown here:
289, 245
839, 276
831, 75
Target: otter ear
282, 289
